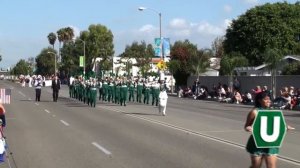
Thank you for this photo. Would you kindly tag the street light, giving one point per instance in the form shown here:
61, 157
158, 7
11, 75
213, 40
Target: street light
49, 52
162, 75
159, 14
83, 56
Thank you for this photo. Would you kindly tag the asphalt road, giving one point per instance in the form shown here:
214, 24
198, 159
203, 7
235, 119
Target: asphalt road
69, 134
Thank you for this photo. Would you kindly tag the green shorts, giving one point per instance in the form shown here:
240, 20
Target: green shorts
254, 151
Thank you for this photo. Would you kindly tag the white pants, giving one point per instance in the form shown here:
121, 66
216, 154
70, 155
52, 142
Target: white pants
162, 109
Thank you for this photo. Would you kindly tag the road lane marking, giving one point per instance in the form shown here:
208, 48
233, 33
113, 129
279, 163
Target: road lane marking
224, 141
47, 111
36, 104
22, 94
65, 123
29, 99
105, 151
53, 115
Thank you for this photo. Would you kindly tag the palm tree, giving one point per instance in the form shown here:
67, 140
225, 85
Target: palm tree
69, 34
272, 57
52, 38
61, 37
200, 63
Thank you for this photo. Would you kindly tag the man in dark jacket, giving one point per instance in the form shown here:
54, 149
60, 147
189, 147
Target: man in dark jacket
55, 87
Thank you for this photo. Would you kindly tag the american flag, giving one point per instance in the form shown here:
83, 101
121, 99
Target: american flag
5, 95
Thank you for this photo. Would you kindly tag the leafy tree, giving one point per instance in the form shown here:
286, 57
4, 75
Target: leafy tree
183, 51
267, 26
142, 53
45, 62
52, 38
22, 67
173, 66
70, 58
291, 69
99, 43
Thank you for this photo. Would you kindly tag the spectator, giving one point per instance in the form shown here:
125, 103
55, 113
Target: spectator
236, 84
237, 97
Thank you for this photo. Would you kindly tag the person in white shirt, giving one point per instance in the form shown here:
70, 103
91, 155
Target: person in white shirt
163, 98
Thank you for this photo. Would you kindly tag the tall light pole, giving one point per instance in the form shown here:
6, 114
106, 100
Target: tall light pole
162, 73
49, 52
83, 56
159, 14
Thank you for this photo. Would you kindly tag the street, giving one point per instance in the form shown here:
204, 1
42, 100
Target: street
70, 134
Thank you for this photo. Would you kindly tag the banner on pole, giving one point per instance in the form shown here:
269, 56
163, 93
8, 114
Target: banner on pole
158, 47
81, 61
166, 46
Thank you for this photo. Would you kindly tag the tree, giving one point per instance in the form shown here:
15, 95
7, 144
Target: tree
267, 26
45, 62
142, 53
217, 47
65, 35
291, 69
231, 61
173, 66
22, 67
183, 51
272, 58
99, 44
200, 63
0, 58
52, 38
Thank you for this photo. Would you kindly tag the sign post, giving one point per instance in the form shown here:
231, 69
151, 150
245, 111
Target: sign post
269, 128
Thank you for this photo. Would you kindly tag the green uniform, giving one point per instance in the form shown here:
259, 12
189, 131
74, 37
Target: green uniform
118, 92
111, 92
80, 92
71, 90
93, 95
131, 91
105, 91
123, 95
86, 98
155, 94
146, 93
139, 92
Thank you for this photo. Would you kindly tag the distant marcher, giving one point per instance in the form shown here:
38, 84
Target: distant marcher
38, 88
55, 87
163, 98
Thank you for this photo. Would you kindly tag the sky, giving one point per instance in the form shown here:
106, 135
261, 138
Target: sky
25, 24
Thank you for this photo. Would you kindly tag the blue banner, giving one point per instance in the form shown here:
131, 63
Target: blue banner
158, 47
166, 46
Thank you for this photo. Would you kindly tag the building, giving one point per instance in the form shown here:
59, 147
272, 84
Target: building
263, 70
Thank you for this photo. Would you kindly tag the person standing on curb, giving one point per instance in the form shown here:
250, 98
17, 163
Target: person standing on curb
163, 98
